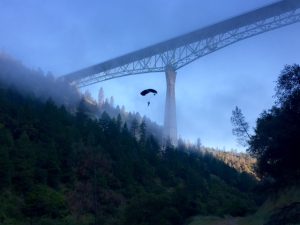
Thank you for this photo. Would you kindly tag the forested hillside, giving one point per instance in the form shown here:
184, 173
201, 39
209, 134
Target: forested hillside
59, 168
275, 144
242, 162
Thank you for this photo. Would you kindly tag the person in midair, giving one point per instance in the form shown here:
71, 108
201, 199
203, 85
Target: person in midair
147, 91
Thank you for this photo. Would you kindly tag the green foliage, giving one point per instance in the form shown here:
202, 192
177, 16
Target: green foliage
286, 215
43, 201
142, 131
59, 168
10, 207
288, 83
5, 164
141, 210
276, 141
242, 162
240, 126
23, 158
5, 168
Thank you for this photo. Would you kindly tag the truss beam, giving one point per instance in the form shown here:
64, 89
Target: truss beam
185, 49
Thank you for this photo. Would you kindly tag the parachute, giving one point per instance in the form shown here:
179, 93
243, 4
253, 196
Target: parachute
147, 91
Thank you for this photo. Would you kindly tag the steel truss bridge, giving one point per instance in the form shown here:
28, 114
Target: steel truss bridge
176, 53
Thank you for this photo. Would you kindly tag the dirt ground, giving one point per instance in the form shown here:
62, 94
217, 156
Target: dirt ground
228, 221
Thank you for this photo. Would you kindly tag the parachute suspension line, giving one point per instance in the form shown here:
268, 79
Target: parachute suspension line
147, 93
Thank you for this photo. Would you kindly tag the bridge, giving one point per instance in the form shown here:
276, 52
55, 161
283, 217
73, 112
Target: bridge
173, 54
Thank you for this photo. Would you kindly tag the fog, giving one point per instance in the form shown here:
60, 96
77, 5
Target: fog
35, 83
62, 37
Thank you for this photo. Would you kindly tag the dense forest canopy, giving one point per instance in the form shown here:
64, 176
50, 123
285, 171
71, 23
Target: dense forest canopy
61, 164
61, 167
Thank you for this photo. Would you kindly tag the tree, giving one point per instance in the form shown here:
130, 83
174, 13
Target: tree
142, 131
5, 163
288, 83
44, 201
23, 157
240, 126
53, 170
105, 121
119, 122
276, 144
100, 97
112, 101
134, 127
88, 95
276, 141
199, 144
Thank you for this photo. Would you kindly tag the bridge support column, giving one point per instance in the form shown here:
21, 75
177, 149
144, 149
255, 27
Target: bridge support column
170, 123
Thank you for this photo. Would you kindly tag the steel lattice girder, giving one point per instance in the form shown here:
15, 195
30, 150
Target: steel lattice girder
185, 49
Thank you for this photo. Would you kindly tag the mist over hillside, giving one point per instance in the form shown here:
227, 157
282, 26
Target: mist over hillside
35, 82
66, 158
58, 167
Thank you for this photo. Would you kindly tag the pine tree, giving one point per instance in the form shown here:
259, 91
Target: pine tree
101, 97
87, 95
134, 128
119, 122
5, 163
23, 164
112, 101
142, 132
199, 144
240, 126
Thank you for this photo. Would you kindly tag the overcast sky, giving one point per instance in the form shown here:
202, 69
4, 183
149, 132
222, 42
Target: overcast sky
64, 36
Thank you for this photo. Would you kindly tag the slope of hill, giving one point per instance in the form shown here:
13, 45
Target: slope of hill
34, 82
275, 144
281, 208
242, 162
13, 74
59, 168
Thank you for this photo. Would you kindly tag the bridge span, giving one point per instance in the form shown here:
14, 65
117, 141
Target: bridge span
173, 54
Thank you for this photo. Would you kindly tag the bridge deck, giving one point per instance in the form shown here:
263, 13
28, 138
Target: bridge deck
207, 33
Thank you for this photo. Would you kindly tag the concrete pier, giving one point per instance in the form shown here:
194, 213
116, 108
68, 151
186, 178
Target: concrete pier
170, 123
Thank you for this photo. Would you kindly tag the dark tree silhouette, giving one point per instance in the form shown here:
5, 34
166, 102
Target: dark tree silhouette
288, 83
240, 126
276, 142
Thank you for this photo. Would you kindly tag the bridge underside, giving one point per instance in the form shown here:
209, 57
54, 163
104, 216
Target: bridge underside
175, 53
